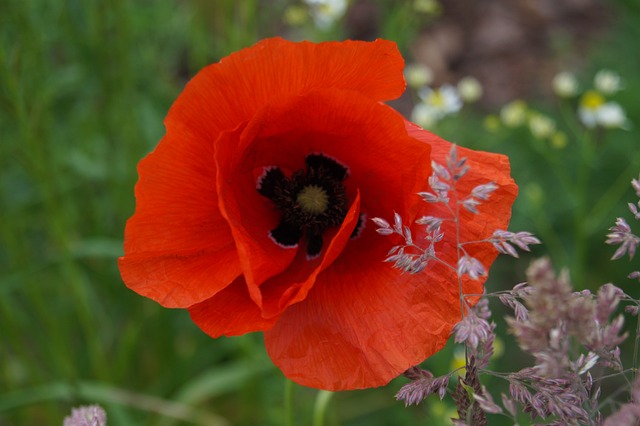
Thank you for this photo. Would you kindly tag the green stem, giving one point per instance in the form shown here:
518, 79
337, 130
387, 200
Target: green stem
582, 187
549, 236
289, 418
320, 408
636, 348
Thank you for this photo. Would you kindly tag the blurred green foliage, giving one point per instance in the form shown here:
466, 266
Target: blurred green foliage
84, 87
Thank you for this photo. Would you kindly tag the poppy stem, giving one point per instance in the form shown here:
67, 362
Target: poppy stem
320, 408
289, 417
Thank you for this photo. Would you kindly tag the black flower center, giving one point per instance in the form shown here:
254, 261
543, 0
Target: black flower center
310, 201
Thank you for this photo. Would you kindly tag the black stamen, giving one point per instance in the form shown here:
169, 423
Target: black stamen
271, 182
314, 244
286, 234
319, 163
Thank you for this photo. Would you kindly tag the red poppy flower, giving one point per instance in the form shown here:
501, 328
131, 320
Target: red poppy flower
252, 212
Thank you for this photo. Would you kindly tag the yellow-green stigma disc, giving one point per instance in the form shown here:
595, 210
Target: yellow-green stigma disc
313, 199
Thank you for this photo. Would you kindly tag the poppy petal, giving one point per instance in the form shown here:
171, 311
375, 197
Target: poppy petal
178, 248
362, 326
231, 312
275, 68
250, 215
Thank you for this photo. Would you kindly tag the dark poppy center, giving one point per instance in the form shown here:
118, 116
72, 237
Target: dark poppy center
312, 200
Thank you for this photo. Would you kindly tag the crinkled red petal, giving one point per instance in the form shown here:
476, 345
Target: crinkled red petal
178, 249
249, 215
361, 326
230, 312
228, 93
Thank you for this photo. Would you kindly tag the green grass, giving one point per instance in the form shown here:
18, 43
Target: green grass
84, 87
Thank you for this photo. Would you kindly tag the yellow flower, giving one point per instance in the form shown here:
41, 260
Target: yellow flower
296, 16
492, 123
458, 362
559, 140
592, 100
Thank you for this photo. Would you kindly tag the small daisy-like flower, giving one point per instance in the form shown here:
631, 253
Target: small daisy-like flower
424, 116
418, 75
541, 126
470, 89
612, 116
325, 12
514, 113
296, 15
595, 111
430, 7
565, 84
590, 104
442, 101
607, 82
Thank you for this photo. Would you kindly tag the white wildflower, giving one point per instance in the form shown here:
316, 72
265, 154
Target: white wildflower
418, 75
326, 12
594, 111
440, 102
541, 126
611, 115
424, 116
607, 82
470, 89
514, 113
565, 84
